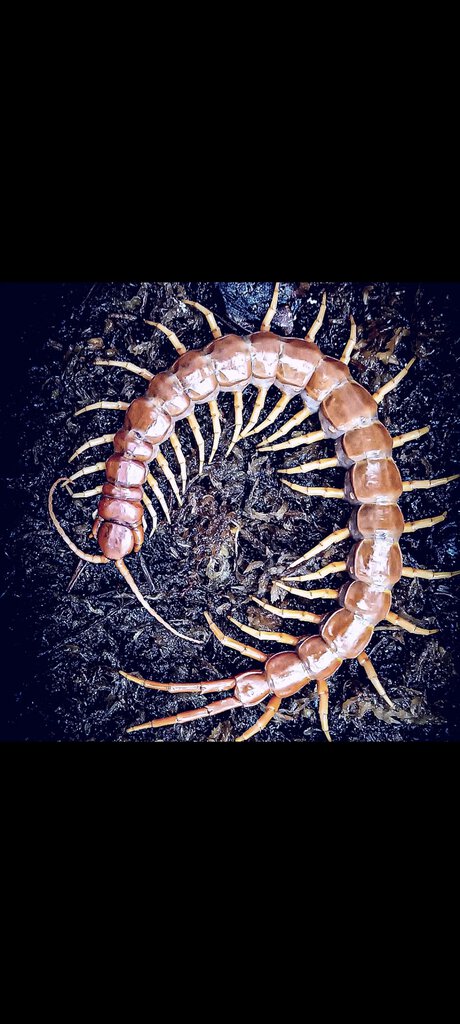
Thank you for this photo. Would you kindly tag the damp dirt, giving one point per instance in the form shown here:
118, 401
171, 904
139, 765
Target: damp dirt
238, 527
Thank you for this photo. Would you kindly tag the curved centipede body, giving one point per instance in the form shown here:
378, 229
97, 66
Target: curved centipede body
348, 415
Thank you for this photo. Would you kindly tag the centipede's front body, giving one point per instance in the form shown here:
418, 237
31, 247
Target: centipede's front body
348, 414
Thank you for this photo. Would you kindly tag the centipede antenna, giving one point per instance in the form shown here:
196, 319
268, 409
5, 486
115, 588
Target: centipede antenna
327, 570
310, 467
179, 347
93, 443
427, 485
265, 325
176, 445
272, 708
412, 435
216, 427
276, 411
324, 544
369, 669
346, 354
195, 428
320, 492
392, 384
287, 613
311, 335
120, 564
238, 403
103, 405
294, 421
164, 466
294, 442
210, 318
96, 559
153, 483
258, 406
131, 367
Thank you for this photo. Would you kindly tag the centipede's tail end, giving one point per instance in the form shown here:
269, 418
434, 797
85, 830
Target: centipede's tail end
120, 564
96, 559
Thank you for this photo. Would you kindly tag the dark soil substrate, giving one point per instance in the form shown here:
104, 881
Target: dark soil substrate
238, 526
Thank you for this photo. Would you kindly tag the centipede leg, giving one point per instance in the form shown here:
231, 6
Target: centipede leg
294, 421
309, 467
321, 492
179, 347
265, 325
311, 335
324, 544
215, 330
287, 613
176, 445
235, 645
238, 403
369, 669
322, 690
294, 442
427, 485
346, 354
123, 406
217, 686
87, 494
216, 427
93, 443
131, 367
150, 508
276, 411
216, 708
412, 435
195, 428
398, 620
327, 570
423, 524
392, 384
159, 495
427, 574
272, 708
258, 406
98, 467
310, 595
164, 466
265, 634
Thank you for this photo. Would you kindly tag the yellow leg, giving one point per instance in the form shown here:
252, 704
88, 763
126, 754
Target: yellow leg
258, 406
272, 708
327, 570
278, 409
423, 524
427, 485
216, 331
265, 325
235, 645
103, 405
164, 466
93, 443
413, 435
98, 559
327, 542
319, 320
309, 467
159, 495
266, 634
346, 354
125, 366
322, 690
195, 428
427, 574
294, 442
287, 613
150, 508
98, 467
397, 620
179, 347
312, 595
369, 669
238, 403
180, 458
88, 494
392, 384
294, 421
215, 417
321, 492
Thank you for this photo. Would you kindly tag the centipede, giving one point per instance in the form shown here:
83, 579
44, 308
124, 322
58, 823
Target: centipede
349, 417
